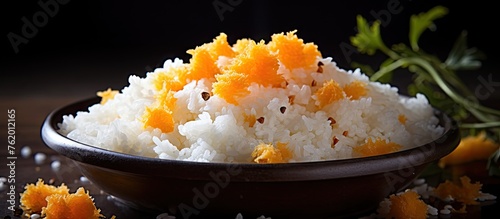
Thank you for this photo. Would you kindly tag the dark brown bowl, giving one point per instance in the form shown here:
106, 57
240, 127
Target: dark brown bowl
326, 189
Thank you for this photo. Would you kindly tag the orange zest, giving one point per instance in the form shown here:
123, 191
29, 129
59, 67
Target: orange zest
470, 148
267, 153
67, 206
402, 119
34, 195
107, 95
159, 118
220, 47
242, 44
329, 93
377, 147
161, 114
293, 52
203, 64
173, 79
231, 86
407, 205
57, 202
355, 90
259, 64
250, 118
463, 191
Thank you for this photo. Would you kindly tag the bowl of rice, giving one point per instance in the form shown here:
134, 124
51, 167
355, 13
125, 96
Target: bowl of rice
258, 128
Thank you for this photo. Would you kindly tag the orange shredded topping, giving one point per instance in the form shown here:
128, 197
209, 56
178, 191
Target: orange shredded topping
204, 58
173, 79
242, 44
250, 119
329, 93
407, 205
285, 152
355, 90
402, 119
220, 47
463, 191
267, 153
203, 65
33, 199
161, 115
471, 148
69, 206
166, 99
377, 147
107, 95
230, 86
259, 64
292, 51
159, 118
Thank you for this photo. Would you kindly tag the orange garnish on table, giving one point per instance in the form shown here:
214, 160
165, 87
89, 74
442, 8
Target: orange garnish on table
57, 202
407, 205
463, 191
471, 148
33, 198
70, 206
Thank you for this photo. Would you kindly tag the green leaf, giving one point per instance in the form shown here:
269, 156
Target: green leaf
432, 77
435, 97
419, 23
388, 76
368, 39
412, 90
463, 58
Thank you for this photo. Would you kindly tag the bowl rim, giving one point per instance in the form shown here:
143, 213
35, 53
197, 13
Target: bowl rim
85, 154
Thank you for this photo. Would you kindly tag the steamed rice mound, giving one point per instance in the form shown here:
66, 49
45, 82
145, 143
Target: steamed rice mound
231, 98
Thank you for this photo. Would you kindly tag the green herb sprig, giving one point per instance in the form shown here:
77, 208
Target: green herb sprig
434, 78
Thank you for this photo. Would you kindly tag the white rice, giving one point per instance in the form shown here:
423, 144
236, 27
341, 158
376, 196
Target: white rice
215, 131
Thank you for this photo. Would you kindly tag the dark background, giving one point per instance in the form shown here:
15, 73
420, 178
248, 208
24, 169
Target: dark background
92, 45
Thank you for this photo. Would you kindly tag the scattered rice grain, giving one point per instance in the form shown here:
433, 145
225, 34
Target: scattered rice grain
40, 158
55, 165
418, 182
26, 151
84, 179
445, 211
